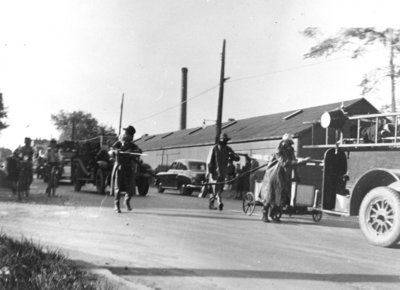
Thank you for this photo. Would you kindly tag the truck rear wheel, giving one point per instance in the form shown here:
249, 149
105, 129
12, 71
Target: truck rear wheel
379, 216
77, 172
100, 181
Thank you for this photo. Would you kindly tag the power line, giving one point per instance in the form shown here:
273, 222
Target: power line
247, 78
297, 67
178, 105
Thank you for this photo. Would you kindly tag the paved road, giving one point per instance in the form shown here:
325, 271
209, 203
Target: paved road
174, 242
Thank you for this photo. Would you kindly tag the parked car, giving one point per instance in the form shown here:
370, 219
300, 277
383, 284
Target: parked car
185, 175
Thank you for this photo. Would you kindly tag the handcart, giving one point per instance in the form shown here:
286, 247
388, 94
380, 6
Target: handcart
305, 199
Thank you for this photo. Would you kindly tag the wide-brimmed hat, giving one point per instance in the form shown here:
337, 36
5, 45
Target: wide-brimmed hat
224, 137
130, 130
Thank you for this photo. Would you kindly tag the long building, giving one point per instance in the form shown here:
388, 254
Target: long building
256, 136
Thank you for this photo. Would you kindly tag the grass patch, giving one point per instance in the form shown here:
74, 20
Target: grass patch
24, 265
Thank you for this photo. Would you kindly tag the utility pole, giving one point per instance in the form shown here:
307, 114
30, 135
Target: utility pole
221, 95
120, 115
73, 126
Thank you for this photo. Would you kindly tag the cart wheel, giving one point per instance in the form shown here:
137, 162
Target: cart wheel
316, 215
249, 203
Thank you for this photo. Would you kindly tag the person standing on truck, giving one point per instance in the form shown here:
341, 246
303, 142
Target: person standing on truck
125, 168
218, 167
276, 186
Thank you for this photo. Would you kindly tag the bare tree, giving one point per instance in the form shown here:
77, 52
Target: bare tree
358, 40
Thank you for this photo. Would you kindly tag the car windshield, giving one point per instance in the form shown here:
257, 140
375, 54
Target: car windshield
197, 166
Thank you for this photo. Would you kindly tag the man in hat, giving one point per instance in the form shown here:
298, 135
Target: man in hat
127, 157
218, 167
26, 152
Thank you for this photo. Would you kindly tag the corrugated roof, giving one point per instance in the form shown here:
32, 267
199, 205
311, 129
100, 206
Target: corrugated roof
251, 129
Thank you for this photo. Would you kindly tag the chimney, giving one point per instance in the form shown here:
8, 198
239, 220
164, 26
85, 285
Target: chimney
184, 98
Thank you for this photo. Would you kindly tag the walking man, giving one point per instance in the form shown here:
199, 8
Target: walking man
218, 167
125, 168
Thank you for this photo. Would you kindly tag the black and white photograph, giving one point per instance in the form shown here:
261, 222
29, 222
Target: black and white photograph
199, 144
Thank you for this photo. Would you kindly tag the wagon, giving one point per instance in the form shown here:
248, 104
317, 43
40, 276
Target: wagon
305, 199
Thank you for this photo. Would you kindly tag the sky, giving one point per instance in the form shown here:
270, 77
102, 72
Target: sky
84, 55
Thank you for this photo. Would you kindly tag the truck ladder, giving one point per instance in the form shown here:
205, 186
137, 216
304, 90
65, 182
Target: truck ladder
358, 144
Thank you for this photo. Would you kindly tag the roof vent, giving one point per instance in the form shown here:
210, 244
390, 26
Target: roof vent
229, 124
166, 135
291, 115
195, 130
151, 137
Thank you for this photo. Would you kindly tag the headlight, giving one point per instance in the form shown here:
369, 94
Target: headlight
25, 157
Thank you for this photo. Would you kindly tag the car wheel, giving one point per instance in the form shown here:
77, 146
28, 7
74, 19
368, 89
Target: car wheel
143, 186
185, 190
379, 216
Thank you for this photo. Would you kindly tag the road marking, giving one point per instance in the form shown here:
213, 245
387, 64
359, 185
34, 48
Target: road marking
61, 213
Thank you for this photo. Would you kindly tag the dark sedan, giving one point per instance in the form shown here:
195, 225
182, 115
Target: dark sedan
185, 175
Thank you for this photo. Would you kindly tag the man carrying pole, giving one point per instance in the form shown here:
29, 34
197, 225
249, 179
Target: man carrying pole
218, 168
125, 168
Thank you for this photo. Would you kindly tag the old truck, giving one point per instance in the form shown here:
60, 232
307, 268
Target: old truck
375, 194
93, 165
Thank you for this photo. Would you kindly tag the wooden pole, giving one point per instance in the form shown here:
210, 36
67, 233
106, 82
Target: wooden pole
221, 95
120, 115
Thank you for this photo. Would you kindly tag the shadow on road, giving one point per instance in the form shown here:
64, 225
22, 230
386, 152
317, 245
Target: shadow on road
324, 223
287, 221
191, 215
34, 197
254, 274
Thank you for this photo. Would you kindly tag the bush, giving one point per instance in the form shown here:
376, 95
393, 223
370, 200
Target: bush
24, 265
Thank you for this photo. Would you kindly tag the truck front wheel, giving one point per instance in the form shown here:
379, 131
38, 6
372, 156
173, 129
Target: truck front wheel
143, 186
379, 216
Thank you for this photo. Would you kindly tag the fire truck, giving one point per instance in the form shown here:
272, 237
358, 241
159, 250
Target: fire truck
375, 195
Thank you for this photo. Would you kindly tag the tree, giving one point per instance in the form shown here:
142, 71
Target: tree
3, 113
4, 153
79, 125
358, 40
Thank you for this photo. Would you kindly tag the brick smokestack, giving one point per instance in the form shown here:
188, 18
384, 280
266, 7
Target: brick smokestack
184, 98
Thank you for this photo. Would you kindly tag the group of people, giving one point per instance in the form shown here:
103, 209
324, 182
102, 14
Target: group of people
24, 155
275, 189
